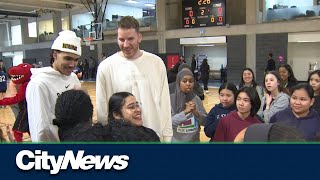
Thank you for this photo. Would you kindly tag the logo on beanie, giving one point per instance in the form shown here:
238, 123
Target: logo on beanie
69, 46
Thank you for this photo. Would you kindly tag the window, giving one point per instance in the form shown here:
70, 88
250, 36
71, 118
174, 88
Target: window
16, 35
279, 10
32, 27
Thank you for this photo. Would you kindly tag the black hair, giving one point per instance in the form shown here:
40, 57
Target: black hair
128, 22
2, 139
254, 99
307, 87
73, 107
51, 56
271, 55
205, 61
291, 77
282, 133
116, 103
74, 112
313, 72
254, 83
276, 74
273, 132
229, 86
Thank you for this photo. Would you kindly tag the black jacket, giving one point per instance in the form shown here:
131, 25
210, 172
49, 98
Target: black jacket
271, 66
124, 131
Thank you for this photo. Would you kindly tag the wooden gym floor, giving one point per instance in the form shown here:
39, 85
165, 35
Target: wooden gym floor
7, 118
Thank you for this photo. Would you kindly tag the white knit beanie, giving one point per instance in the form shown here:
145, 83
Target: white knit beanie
67, 41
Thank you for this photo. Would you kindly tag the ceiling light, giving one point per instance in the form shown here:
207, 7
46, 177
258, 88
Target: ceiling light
149, 4
132, 1
205, 44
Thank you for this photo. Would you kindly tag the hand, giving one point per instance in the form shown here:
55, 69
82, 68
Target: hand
188, 109
268, 99
193, 107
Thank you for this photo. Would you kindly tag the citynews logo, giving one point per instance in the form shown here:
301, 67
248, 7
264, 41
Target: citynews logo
40, 160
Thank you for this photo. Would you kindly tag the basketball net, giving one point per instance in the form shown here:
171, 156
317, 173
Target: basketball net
88, 40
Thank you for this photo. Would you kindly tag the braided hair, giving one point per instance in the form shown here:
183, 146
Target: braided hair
73, 107
1, 136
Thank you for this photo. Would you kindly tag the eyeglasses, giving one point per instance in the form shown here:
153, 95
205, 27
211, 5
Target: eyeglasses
133, 106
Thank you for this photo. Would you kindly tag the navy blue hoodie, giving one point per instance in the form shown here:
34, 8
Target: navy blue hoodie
213, 118
309, 126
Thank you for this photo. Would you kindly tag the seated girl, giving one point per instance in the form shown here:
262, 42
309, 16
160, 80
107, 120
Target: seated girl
187, 110
275, 100
227, 92
299, 115
125, 119
248, 104
314, 81
287, 76
248, 79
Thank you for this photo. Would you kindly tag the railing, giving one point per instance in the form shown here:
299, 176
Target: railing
149, 21
292, 13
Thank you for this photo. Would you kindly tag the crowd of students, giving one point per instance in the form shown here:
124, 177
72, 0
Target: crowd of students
292, 106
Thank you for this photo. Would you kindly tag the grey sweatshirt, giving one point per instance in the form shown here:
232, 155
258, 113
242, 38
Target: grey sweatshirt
186, 128
279, 103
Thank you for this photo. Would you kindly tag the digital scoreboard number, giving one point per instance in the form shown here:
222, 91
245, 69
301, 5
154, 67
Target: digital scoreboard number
203, 13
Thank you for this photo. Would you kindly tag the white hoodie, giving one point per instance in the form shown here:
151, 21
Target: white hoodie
42, 92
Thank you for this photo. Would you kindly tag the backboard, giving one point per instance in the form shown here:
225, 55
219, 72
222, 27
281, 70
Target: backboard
92, 31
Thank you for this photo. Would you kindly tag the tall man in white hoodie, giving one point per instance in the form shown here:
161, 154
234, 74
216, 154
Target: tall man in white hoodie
141, 73
48, 83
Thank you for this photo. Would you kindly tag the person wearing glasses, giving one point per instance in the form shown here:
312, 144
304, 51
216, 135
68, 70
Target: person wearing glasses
125, 119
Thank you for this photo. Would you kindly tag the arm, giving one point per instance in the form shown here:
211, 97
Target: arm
201, 112
219, 135
273, 119
21, 95
210, 124
260, 91
281, 104
102, 96
178, 118
165, 108
38, 112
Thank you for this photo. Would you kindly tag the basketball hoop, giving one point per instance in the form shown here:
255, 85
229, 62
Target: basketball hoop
88, 40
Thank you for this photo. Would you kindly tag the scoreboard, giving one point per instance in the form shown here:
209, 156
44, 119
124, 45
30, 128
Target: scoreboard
203, 13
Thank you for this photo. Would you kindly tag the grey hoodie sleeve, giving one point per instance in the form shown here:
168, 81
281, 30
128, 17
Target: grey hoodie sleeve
260, 91
281, 103
178, 118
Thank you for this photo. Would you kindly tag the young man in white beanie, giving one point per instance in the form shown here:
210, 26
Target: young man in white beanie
48, 83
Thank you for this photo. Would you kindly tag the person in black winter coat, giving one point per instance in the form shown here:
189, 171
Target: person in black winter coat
205, 70
271, 65
194, 67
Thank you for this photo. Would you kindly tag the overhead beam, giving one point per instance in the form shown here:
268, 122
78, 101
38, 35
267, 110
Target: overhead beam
16, 8
20, 14
73, 2
36, 4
